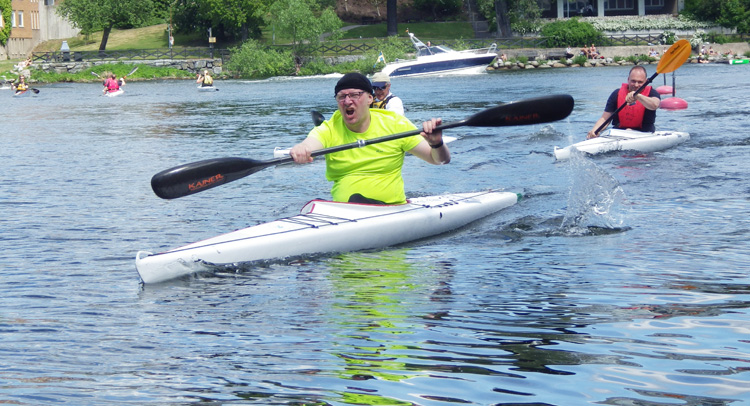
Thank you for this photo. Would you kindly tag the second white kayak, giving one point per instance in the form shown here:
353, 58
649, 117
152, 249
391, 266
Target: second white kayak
624, 140
326, 227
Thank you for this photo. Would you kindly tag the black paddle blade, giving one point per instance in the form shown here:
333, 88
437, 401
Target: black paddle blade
198, 176
528, 111
317, 118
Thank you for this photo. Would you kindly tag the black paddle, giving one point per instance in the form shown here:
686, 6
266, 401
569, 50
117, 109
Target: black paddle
672, 59
198, 176
35, 90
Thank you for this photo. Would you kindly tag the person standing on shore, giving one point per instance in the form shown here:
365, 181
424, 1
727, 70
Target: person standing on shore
640, 111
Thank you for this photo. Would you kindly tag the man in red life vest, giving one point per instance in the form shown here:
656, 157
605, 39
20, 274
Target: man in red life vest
640, 110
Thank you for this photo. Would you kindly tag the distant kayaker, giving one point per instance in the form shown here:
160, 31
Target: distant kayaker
205, 79
640, 110
384, 99
21, 86
111, 85
371, 174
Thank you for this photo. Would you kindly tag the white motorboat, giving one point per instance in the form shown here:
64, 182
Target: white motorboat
435, 59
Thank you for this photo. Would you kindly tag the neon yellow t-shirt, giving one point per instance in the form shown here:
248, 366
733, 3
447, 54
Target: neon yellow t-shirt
374, 171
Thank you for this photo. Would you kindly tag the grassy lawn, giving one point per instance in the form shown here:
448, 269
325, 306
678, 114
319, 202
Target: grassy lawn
151, 37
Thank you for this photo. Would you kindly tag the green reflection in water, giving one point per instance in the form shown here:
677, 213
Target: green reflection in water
370, 292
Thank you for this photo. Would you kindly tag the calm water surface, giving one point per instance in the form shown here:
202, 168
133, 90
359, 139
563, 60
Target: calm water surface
618, 280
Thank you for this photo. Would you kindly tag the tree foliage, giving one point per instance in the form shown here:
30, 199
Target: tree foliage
303, 21
6, 9
727, 13
228, 19
95, 15
523, 14
439, 8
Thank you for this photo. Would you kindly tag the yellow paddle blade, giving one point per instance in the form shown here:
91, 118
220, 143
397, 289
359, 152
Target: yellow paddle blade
674, 57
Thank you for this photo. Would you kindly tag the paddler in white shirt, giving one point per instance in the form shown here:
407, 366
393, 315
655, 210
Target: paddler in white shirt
384, 99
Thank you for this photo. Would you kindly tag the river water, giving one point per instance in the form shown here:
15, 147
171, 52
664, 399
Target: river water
618, 280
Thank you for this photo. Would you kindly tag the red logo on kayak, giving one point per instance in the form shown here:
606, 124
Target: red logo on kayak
531, 117
218, 178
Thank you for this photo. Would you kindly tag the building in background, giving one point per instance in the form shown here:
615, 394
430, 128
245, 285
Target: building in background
33, 22
607, 8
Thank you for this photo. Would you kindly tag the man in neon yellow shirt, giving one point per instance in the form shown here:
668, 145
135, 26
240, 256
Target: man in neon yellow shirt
371, 174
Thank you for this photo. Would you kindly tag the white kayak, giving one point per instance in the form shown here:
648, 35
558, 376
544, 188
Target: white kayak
279, 152
624, 140
326, 227
207, 88
115, 93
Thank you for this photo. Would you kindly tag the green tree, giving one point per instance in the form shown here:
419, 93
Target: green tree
239, 18
727, 13
523, 15
95, 15
228, 19
303, 22
5, 14
439, 8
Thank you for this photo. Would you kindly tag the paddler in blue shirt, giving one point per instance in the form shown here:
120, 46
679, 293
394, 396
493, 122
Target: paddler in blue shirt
640, 111
371, 174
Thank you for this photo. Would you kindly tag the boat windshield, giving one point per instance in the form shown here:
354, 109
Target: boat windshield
424, 50
433, 50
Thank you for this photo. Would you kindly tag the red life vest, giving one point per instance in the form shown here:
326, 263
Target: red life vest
631, 116
111, 85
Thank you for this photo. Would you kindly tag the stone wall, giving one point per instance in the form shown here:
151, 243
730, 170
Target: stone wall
738, 48
193, 66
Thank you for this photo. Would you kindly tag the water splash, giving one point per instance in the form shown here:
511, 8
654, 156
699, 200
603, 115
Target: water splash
595, 199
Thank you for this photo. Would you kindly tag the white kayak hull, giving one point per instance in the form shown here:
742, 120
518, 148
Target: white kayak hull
207, 89
115, 93
326, 227
279, 152
624, 140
